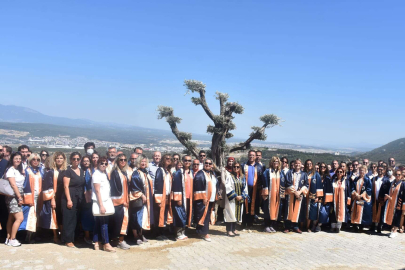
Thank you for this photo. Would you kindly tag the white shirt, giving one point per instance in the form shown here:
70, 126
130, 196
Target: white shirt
214, 188
152, 168
101, 178
18, 177
378, 183
297, 177
36, 189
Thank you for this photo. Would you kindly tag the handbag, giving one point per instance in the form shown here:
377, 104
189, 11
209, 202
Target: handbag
108, 205
5, 188
136, 203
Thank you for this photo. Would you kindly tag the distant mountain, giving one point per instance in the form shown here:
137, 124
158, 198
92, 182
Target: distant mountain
395, 149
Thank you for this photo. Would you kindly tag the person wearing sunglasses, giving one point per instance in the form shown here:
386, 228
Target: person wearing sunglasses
204, 191
236, 194
196, 166
394, 207
361, 190
325, 192
313, 198
337, 197
377, 202
391, 163
44, 155
32, 190
273, 190
202, 155
72, 198
297, 188
176, 160
162, 190
141, 200
119, 194
154, 165
54, 166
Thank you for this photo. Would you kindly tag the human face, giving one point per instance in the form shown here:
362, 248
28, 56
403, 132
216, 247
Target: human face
168, 161
208, 165
24, 153
355, 166
112, 153
179, 166
329, 167
16, 161
284, 163
236, 168
398, 175
122, 161
309, 165
75, 160
6, 155
44, 155
138, 152
339, 173
94, 160
176, 159
297, 166
317, 168
134, 156
230, 162
276, 164
196, 165
403, 172
380, 171
86, 162
187, 162
157, 156
365, 162
392, 162
202, 157
343, 166
322, 168
374, 168
335, 164
143, 164
252, 157
35, 162
102, 166
362, 172
59, 160
258, 156
350, 168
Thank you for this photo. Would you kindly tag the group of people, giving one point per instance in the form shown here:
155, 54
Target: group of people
111, 195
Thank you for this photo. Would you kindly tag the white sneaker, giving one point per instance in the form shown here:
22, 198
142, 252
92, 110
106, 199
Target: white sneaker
392, 235
182, 237
6, 243
14, 243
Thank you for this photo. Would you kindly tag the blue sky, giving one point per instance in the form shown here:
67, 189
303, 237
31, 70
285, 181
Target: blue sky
333, 70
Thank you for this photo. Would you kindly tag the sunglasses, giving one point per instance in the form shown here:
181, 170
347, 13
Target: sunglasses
398, 175
175, 158
187, 160
202, 155
208, 163
44, 155
36, 159
236, 167
339, 172
196, 164
103, 163
373, 166
75, 159
323, 166
123, 159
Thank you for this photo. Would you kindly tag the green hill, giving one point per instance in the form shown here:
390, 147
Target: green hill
395, 149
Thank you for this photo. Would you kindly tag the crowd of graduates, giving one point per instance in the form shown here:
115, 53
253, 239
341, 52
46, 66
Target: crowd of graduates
105, 197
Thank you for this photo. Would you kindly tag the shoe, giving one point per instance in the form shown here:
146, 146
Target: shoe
272, 230
139, 242
160, 238
96, 246
88, 241
297, 230
13, 243
230, 234
109, 249
6, 243
286, 231
378, 230
144, 239
206, 238
267, 230
70, 245
182, 237
318, 229
57, 241
123, 245
392, 235
236, 233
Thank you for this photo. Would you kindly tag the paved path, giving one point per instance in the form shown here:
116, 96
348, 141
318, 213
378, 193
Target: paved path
254, 250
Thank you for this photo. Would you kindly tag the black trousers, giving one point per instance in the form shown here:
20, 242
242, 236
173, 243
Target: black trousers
3, 215
230, 226
71, 216
247, 219
203, 230
116, 220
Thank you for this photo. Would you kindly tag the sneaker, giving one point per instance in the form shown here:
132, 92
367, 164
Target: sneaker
6, 243
206, 238
88, 241
139, 242
318, 229
123, 245
182, 237
144, 239
160, 238
267, 230
13, 243
272, 230
392, 235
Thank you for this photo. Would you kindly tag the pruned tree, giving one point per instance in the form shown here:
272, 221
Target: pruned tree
222, 124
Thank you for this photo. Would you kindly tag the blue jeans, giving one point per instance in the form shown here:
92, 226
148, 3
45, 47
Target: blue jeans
101, 229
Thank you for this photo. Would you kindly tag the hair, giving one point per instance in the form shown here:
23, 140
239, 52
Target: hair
47, 163
111, 147
326, 173
396, 171
355, 161
297, 160
274, 159
201, 152
52, 161
192, 163
371, 165
390, 158
10, 163
21, 147
175, 154
259, 151
115, 166
334, 161
102, 159
179, 163
306, 167
284, 158
74, 154
292, 163
342, 162
81, 162
47, 153
32, 156
138, 148
250, 151
162, 161
184, 157
340, 168
364, 167
139, 160
89, 144
240, 169
8, 149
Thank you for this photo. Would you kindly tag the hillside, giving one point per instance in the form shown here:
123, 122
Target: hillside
291, 155
395, 149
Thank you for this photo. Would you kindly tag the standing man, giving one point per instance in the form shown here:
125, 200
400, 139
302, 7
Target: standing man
111, 155
89, 148
253, 173
297, 189
24, 150
196, 166
202, 155
138, 150
132, 160
154, 165
377, 202
391, 163
7, 152
259, 159
335, 165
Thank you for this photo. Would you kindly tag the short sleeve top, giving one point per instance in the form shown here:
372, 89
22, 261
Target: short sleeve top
105, 189
76, 181
19, 178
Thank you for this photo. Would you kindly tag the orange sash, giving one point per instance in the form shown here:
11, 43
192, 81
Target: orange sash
209, 193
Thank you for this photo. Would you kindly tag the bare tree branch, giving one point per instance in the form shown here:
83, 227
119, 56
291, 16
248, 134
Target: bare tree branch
269, 120
183, 137
196, 86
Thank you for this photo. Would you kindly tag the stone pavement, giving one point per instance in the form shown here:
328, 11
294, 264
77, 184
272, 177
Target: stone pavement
254, 250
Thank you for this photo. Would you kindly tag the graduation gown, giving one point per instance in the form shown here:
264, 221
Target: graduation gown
30, 212
141, 184
257, 182
119, 196
294, 213
234, 186
314, 184
394, 207
163, 182
340, 201
361, 209
273, 187
178, 194
203, 187
377, 202
47, 217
